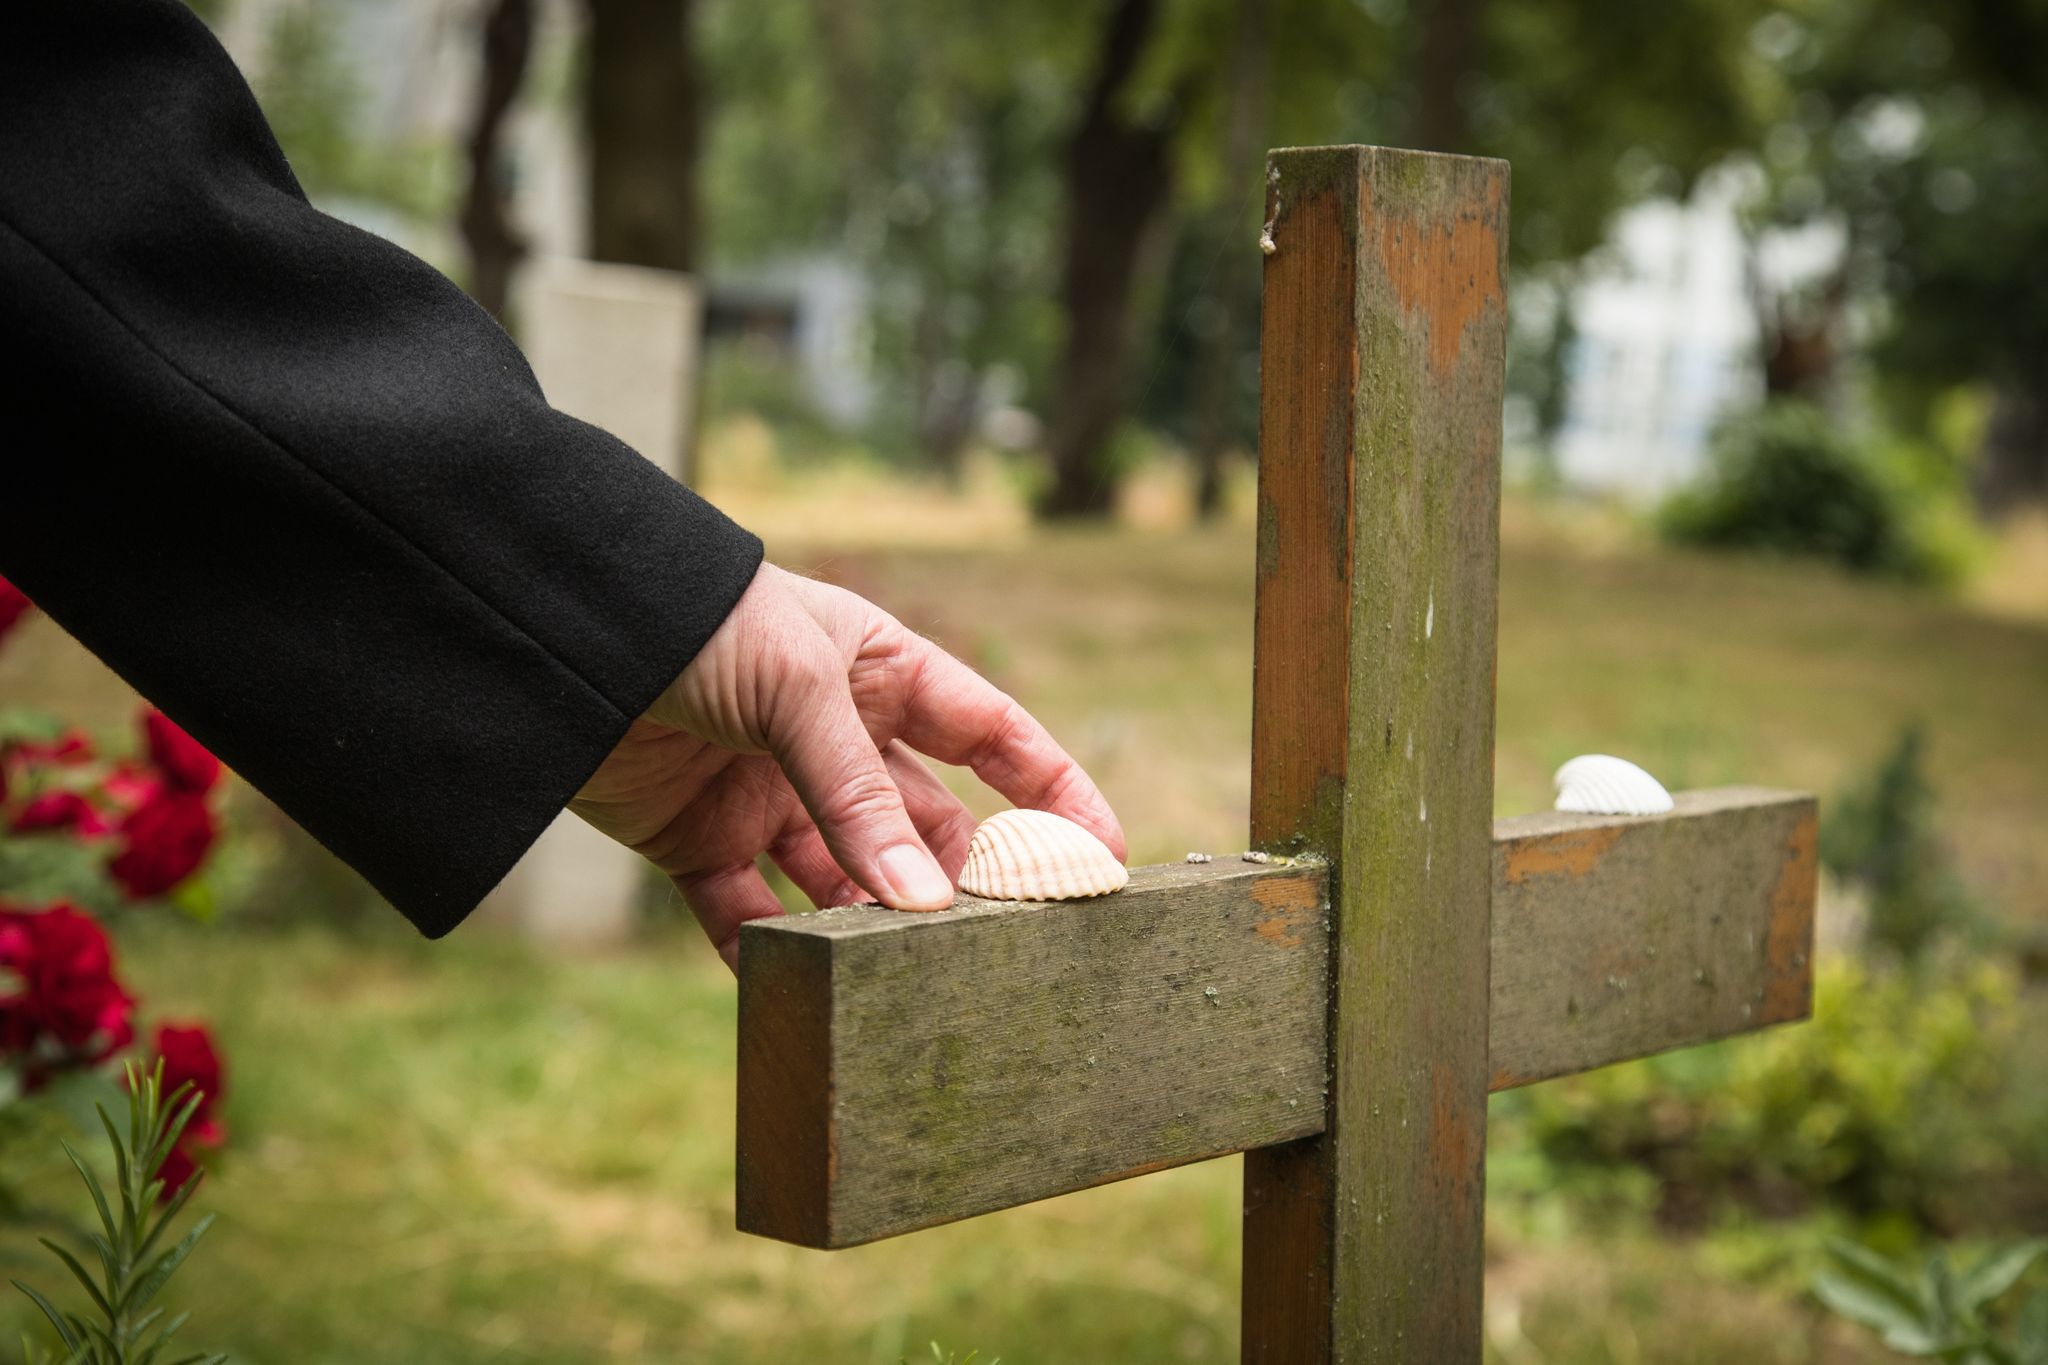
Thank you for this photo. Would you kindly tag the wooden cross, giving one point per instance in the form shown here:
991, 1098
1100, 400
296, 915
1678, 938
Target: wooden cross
1339, 1013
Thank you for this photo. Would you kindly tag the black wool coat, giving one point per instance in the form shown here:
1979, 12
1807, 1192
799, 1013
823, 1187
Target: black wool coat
295, 487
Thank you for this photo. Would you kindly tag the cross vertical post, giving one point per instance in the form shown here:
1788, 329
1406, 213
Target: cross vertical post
1340, 1013
1382, 356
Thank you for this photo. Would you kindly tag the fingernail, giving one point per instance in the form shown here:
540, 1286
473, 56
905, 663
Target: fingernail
914, 878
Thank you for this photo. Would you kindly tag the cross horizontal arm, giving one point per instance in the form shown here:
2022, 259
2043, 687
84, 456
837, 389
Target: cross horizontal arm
898, 1071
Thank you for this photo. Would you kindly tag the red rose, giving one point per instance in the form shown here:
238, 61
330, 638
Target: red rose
59, 1001
67, 750
178, 1168
163, 841
60, 810
128, 787
179, 757
14, 605
189, 1054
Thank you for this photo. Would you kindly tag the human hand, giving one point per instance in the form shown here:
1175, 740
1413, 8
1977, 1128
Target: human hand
792, 734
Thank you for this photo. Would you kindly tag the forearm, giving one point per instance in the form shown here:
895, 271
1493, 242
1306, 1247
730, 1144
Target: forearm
288, 481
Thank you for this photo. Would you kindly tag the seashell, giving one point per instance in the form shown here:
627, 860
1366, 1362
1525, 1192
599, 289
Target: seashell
1034, 855
1600, 784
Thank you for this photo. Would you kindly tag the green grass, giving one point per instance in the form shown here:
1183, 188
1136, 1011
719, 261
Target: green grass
1136, 651
471, 1152
468, 1151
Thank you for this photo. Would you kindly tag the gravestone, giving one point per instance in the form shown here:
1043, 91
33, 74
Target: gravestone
616, 346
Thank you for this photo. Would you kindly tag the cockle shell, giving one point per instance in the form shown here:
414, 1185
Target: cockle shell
1034, 855
1600, 784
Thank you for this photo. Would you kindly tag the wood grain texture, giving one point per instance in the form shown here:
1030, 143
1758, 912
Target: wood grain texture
786, 1164
998, 1053
1383, 353
898, 1071
1616, 937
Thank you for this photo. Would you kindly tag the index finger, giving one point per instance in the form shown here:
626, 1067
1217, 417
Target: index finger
957, 716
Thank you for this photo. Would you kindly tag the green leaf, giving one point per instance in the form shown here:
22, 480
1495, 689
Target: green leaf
1880, 1274
1941, 1296
108, 1261
120, 1175
1999, 1271
1968, 1353
99, 1196
160, 1149
169, 1215
194, 898
145, 1289
148, 1320
103, 1340
78, 1273
1869, 1289
71, 1339
1903, 1326
2032, 1330
30, 723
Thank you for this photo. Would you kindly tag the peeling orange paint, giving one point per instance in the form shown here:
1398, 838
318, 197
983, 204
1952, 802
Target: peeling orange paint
1788, 944
1457, 293
1291, 904
1573, 853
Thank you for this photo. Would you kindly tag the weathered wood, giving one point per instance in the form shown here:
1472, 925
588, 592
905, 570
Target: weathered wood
1383, 353
898, 1071
993, 1054
1613, 938
1342, 1014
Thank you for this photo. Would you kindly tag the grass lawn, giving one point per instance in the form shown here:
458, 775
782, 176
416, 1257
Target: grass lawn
471, 1151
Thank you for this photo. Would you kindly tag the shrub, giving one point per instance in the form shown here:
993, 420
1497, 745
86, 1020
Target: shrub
1941, 1311
133, 1256
86, 841
1881, 837
1898, 1100
1789, 480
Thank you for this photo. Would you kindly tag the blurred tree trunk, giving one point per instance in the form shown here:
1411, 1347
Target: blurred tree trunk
1244, 132
948, 391
642, 120
640, 111
1118, 180
1796, 332
1444, 65
495, 246
2013, 468
847, 47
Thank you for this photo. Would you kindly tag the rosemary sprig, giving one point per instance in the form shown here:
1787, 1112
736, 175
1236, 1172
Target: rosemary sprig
122, 1328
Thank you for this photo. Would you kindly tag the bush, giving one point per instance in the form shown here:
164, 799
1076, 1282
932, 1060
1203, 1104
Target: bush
1898, 1100
1787, 479
1881, 838
1941, 1311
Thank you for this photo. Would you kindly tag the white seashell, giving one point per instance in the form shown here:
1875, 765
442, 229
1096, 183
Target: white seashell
1034, 855
1599, 784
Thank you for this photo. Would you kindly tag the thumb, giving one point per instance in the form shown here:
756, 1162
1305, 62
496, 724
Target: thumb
825, 752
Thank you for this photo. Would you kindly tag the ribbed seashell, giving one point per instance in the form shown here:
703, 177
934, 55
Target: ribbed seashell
1034, 855
1600, 784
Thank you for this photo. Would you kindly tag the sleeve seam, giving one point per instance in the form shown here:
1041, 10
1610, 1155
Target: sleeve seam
309, 468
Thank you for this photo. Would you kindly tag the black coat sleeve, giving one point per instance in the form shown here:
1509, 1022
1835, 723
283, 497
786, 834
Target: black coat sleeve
296, 488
